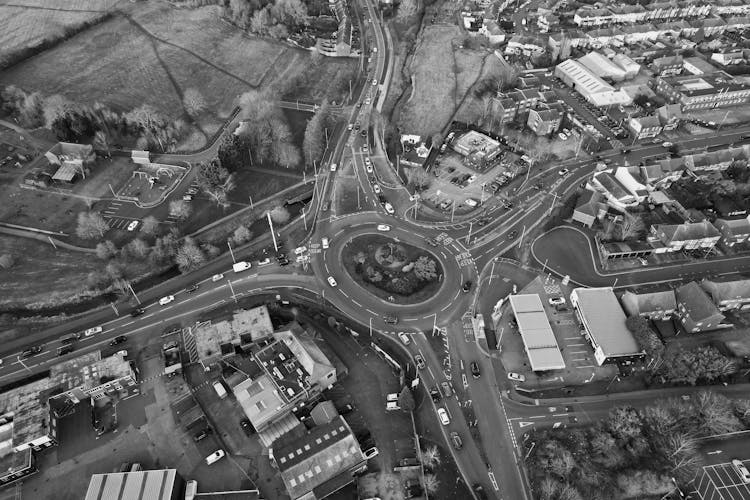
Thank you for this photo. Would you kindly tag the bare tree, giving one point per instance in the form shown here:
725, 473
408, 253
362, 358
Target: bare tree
431, 483
106, 250
189, 256
91, 225
6, 261
180, 209
430, 457
419, 179
241, 235
149, 225
193, 101
138, 248
280, 215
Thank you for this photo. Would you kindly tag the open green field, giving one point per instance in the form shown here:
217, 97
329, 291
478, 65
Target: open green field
151, 53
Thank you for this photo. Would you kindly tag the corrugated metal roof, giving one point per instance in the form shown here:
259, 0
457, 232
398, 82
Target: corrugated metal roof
143, 485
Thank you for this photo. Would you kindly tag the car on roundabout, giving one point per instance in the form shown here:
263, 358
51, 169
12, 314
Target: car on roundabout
404, 338
332, 281
384, 227
391, 320
420, 361
466, 287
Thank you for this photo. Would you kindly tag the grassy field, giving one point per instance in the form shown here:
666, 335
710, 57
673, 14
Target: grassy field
151, 53
31, 23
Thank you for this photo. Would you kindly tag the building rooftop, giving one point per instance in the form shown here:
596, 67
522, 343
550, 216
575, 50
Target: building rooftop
12, 461
722, 482
707, 84
89, 371
695, 301
538, 339
649, 303
325, 452
245, 326
606, 321
688, 231
727, 290
612, 185
583, 77
260, 399
143, 485
26, 407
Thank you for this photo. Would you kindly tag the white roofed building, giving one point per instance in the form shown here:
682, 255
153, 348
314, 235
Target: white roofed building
538, 338
589, 85
602, 67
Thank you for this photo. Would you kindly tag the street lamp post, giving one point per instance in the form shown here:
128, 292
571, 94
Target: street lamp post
229, 244
23, 364
232, 289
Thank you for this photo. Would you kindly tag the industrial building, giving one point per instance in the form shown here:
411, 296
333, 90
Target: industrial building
602, 67
539, 341
589, 85
603, 322
703, 91
721, 482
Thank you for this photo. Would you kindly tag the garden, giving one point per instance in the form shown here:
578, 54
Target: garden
392, 270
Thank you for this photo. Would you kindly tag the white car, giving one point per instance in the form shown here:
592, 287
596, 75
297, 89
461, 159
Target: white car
331, 281
217, 277
389, 208
166, 300
333, 167
367, 101
554, 301
133, 225
324, 241
374, 81
364, 148
516, 376
563, 171
392, 406
741, 470
368, 167
371, 453
350, 126
562, 136
93, 331
384, 227
376, 188
300, 250
264, 262
443, 415
392, 397
404, 338
215, 457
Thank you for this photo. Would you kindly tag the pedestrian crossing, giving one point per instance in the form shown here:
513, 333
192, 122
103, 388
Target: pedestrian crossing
188, 341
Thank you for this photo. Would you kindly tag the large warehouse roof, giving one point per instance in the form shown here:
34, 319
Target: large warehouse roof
583, 78
143, 485
605, 321
538, 338
601, 66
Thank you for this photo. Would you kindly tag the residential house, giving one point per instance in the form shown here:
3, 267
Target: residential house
617, 195
628, 14
638, 33
733, 231
504, 109
729, 57
548, 23
590, 208
670, 116
527, 45
492, 31
667, 66
728, 295
730, 7
642, 127
544, 121
696, 311
737, 23
585, 17
687, 236
71, 159
710, 26
654, 305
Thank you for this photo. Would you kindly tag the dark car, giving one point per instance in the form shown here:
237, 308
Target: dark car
66, 349
420, 362
479, 491
456, 440
137, 312
435, 394
512, 234
431, 242
192, 288
391, 320
204, 433
172, 329
345, 410
467, 286
247, 427
482, 222
363, 133
326, 206
118, 340
475, 369
31, 351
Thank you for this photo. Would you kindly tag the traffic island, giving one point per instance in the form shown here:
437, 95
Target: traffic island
392, 270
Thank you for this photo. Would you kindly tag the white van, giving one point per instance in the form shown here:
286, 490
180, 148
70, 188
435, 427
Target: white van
215, 457
392, 406
471, 202
241, 266
220, 391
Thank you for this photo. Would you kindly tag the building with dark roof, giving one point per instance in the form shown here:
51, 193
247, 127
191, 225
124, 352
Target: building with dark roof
687, 236
667, 66
728, 295
721, 482
703, 92
654, 305
590, 208
695, 309
319, 463
603, 320
733, 231
544, 121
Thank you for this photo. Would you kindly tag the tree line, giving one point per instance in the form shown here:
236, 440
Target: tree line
633, 452
75, 122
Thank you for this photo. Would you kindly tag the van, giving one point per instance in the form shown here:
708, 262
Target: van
241, 266
392, 406
392, 397
191, 489
215, 457
471, 202
65, 349
220, 391
69, 339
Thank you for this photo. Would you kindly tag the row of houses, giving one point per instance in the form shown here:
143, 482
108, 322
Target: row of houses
656, 11
540, 110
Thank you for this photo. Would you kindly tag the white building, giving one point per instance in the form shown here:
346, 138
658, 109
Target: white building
602, 67
590, 86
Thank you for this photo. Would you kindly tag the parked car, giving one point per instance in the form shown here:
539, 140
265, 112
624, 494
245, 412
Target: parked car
741, 470
132, 225
443, 416
420, 362
456, 440
446, 388
404, 338
215, 457
371, 453
435, 394
516, 377
203, 434
247, 427
553, 301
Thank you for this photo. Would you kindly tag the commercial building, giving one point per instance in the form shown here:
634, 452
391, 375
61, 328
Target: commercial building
696, 311
602, 67
538, 338
721, 482
603, 322
618, 196
591, 87
704, 91
214, 341
476, 146
72, 160
319, 463
698, 66
544, 121
629, 66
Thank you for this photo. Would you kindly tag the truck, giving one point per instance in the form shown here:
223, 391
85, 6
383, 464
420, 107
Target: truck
241, 266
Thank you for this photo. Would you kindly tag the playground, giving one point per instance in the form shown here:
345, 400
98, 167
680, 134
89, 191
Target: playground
151, 183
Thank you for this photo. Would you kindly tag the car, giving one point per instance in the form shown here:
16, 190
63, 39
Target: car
247, 427
166, 300
350, 126
172, 329
374, 81
404, 338
553, 301
467, 286
187, 197
376, 189
512, 234
367, 101
356, 126
364, 148
431, 242
667, 144
391, 320
137, 311
456, 440
368, 168
132, 225
741, 470
192, 288
392, 406
363, 133
325, 242
264, 262
516, 377
475, 369
92, 331
345, 410
283, 261
31, 351
326, 205
371, 453
66, 349
435, 394
393, 396
118, 340
443, 415
446, 388
333, 167
563, 171
331, 281
562, 136
482, 222
300, 250
203, 434
217, 277
420, 362
384, 227
388, 208
215, 457
479, 491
